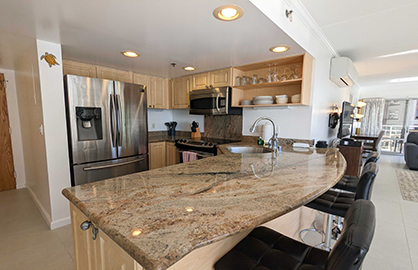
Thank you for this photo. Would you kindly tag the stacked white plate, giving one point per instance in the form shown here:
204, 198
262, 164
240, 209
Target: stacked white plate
282, 99
295, 98
247, 102
262, 100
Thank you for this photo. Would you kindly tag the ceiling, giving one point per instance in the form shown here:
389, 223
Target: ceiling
367, 30
162, 31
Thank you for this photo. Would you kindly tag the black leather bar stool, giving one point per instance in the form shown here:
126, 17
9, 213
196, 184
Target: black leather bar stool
348, 182
265, 249
336, 203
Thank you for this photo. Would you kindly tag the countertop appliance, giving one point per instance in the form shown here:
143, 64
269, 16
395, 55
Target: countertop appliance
107, 128
205, 147
212, 101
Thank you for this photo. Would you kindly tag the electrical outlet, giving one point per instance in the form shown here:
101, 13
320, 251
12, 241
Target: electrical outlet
153, 125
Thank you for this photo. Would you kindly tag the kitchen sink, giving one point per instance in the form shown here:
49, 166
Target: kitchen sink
248, 149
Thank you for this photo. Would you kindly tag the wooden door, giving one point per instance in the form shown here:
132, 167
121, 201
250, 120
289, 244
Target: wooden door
156, 155
180, 88
83, 243
7, 171
200, 81
221, 77
79, 69
172, 154
114, 74
160, 93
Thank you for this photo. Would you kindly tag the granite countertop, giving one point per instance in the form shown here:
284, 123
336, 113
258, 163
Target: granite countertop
180, 208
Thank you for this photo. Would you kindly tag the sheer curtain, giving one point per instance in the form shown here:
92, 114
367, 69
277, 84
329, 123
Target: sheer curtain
372, 122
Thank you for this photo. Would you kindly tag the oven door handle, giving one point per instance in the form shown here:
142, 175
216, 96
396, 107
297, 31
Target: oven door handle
217, 102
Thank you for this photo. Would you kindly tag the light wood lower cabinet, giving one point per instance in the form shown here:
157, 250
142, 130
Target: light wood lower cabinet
100, 254
162, 154
156, 155
172, 154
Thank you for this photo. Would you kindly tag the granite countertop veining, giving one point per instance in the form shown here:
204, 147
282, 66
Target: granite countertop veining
180, 208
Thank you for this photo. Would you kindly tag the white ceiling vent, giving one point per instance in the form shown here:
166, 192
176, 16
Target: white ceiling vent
343, 73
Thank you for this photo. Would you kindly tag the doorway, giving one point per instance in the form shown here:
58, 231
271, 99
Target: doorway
7, 171
400, 118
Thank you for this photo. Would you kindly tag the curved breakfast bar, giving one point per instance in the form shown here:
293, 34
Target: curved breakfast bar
160, 216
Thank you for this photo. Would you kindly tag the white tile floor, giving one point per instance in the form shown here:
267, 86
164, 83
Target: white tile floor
27, 243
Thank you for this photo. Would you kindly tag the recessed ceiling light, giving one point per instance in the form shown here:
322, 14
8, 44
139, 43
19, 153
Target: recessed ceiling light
408, 79
228, 12
189, 68
279, 49
130, 53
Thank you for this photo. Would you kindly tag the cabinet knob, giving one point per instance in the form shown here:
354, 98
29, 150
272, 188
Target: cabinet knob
86, 225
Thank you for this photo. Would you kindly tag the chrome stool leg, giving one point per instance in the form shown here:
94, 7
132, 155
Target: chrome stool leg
328, 231
313, 228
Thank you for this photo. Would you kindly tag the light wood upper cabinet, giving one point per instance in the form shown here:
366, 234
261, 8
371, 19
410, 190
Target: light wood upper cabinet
180, 88
200, 81
216, 78
114, 74
222, 77
79, 69
172, 154
159, 93
157, 157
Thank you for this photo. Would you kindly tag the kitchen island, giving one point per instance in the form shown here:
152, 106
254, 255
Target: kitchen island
160, 216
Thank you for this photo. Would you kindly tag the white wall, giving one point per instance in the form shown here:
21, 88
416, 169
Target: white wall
55, 131
31, 119
391, 90
157, 118
16, 136
184, 120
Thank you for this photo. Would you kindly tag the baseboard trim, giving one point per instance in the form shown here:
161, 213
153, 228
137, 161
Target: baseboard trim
59, 223
19, 186
44, 213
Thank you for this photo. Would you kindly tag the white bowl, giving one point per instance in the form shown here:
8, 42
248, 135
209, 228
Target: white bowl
297, 96
281, 96
282, 100
263, 101
247, 102
295, 100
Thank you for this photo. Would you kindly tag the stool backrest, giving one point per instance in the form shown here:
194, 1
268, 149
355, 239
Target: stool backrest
354, 242
365, 184
374, 157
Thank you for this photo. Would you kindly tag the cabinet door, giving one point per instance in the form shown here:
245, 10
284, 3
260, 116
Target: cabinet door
221, 77
111, 256
159, 91
84, 246
172, 154
180, 89
200, 81
156, 155
79, 69
144, 80
114, 74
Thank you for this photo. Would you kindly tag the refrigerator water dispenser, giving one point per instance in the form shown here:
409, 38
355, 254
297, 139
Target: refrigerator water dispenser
89, 123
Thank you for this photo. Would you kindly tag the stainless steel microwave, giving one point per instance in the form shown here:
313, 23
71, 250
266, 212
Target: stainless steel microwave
212, 101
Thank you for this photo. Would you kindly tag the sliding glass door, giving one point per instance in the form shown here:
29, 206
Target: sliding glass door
400, 118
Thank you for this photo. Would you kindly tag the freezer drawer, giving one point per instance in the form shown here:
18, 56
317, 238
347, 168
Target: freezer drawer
91, 172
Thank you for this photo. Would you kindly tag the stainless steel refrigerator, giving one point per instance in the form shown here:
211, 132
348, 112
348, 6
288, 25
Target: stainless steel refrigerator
107, 128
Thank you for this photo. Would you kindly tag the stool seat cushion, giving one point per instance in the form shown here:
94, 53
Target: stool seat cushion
348, 183
265, 249
333, 202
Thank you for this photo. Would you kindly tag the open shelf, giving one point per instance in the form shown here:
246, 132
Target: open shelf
303, 63
270, 105
272, 84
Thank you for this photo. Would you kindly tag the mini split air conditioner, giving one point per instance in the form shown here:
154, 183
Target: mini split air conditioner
343, 73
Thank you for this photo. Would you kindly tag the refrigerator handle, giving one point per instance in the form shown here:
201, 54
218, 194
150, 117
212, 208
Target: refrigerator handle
112, 120
119, 111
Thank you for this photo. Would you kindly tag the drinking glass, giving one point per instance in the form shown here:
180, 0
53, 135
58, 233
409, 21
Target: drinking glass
284, 77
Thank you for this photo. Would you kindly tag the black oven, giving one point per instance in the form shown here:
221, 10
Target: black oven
212, 101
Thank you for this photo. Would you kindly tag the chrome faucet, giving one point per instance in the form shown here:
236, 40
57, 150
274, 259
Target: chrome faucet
273, 143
